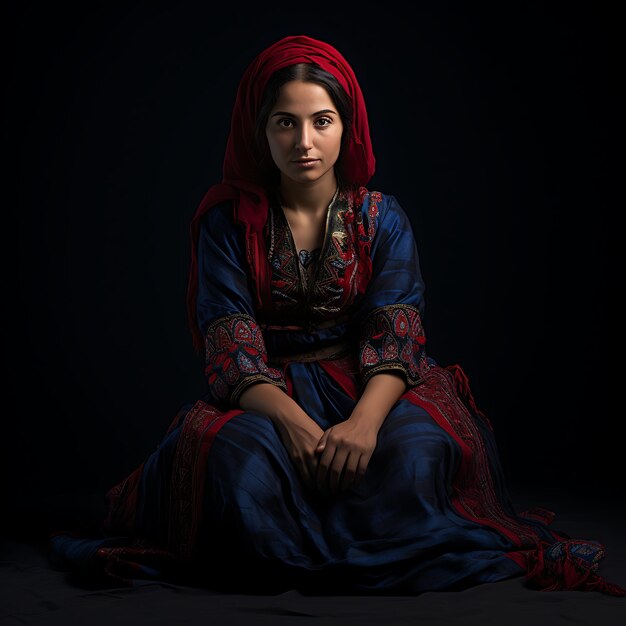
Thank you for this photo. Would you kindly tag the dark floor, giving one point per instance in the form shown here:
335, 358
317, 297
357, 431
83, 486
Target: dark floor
33, 592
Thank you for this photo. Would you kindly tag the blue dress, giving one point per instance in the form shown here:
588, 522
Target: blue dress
221, 502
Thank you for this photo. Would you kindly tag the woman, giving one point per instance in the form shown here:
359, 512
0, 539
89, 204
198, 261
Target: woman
330, 452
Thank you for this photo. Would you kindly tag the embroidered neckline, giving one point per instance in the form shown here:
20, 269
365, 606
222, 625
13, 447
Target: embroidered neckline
307, 271
324, 287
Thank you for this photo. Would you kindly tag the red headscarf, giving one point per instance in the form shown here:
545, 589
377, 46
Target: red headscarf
241, 180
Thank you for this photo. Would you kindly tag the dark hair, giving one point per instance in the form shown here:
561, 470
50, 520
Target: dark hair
310, 73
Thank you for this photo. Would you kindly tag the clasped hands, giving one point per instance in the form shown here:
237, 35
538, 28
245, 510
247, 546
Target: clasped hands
339, 458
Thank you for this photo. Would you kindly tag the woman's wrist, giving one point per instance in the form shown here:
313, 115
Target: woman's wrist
366, 417
381, 393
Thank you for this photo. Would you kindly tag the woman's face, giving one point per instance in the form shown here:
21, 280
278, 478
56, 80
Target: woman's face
304, 132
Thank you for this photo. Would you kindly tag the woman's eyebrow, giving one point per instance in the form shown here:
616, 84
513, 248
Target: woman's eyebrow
312, 114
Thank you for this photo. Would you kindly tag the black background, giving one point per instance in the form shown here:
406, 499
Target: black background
499, 128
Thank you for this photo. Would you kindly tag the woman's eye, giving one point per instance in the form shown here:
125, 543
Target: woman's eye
285, 122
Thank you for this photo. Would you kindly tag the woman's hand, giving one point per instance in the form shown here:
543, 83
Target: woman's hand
298, 432
300, 435
348, 447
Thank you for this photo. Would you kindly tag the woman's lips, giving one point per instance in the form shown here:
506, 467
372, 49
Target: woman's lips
306, 164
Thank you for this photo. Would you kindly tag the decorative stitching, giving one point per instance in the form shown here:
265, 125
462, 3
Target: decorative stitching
474, 490
339, 271
393, 339
236, 357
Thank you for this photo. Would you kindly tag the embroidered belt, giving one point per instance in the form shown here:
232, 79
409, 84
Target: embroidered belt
328, 352
308, 326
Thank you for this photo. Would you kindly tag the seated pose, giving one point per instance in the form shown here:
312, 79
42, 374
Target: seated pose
330, 452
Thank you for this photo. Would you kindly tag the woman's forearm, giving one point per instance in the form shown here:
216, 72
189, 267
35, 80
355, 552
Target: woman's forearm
272, 401
380, 394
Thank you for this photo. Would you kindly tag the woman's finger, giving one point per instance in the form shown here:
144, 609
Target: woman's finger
361, 468
350, 471
339, 461
324, 464
321, 444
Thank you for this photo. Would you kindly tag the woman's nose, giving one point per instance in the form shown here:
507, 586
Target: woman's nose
304, 141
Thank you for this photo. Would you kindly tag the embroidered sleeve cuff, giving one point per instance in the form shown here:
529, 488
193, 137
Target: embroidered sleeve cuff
236, 358
393, 339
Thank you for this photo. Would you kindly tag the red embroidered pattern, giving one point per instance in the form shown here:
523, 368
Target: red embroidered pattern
123, 563
236, 357
363, 239
343, 268
393, 338
200, 428
474, 491
375, 197
121, 502
286, 288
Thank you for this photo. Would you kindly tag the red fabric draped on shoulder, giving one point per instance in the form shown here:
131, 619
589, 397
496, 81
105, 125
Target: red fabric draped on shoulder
241, 182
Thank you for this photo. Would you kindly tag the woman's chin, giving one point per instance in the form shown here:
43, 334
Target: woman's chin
306, 177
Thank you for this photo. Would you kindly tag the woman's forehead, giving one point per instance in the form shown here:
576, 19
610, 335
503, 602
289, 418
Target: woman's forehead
304, 97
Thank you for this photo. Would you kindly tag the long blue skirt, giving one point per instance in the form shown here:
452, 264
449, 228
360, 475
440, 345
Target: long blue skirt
260, 529
395, 530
